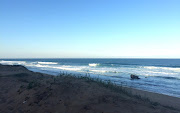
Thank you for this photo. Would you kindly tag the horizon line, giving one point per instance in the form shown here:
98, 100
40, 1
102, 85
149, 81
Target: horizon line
92, 58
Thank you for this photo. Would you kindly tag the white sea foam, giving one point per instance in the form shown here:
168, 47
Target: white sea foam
154, 72
151, 67
69, 68
163, 68
99, 71
13, 62
93, 65
39, 65
47, 63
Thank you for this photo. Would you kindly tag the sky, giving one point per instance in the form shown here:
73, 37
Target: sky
89, 28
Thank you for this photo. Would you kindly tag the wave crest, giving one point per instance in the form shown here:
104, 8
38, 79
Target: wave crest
47, 63
93, 64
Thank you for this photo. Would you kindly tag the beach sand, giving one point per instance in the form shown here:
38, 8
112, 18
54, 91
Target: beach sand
24, 91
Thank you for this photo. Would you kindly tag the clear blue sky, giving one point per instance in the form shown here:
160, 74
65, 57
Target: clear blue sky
89, 28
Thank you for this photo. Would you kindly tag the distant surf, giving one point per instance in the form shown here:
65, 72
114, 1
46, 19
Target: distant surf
47, 62
93, 64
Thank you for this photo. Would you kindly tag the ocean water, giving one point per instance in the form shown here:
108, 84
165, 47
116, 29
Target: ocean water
157, 75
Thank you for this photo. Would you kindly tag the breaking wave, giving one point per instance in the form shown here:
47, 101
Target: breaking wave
13, 62
93, 65
47, 63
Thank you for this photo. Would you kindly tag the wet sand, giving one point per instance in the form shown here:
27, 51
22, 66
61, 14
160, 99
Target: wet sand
24, 91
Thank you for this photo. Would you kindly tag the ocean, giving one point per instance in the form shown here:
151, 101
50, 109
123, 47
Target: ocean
156, 75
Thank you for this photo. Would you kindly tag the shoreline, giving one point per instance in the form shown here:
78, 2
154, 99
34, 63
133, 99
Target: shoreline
162, 99
155, 100
133, 90
155, 78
